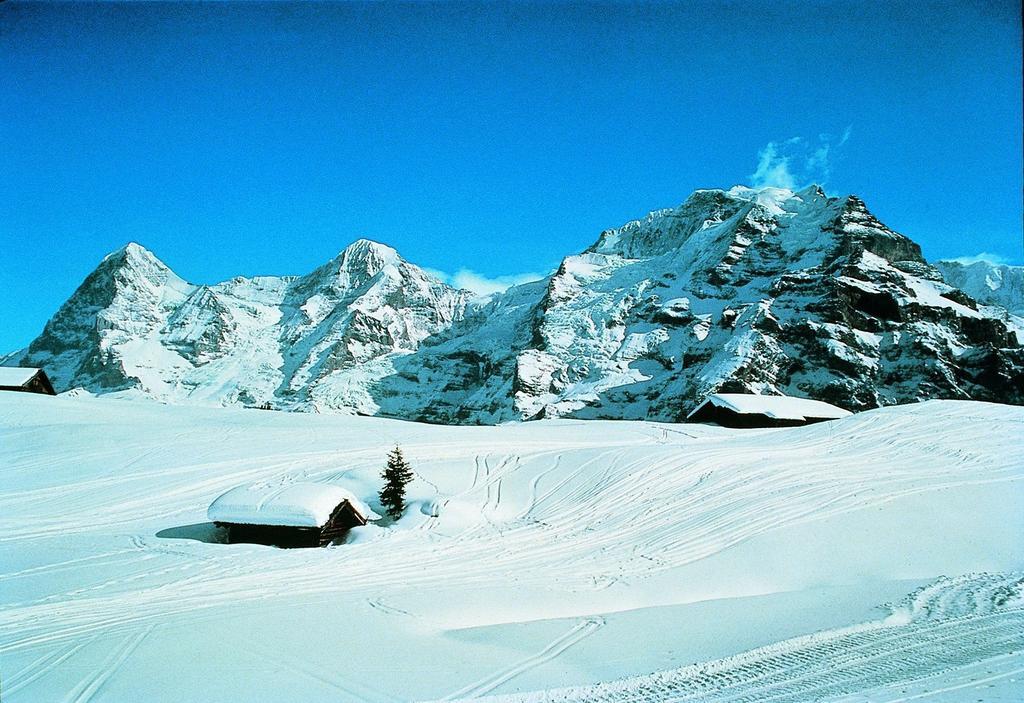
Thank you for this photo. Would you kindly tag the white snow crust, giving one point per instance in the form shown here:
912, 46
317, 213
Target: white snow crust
296, 504
874, 558
16, 376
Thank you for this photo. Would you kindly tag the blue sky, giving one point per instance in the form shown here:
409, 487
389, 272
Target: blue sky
491, 138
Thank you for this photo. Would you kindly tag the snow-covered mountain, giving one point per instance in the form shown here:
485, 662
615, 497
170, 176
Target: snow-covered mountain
988, 283
741, 290
310, 342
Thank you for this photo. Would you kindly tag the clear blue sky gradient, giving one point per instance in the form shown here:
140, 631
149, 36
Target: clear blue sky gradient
263, 138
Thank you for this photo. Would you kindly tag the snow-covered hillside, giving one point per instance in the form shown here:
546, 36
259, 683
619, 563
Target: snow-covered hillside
874, 558
766, 290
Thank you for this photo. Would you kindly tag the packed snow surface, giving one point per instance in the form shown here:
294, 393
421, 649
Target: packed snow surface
780, 407
295, 505
872, 558
16, 376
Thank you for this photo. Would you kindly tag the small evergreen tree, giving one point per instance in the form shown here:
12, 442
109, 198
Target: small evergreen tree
397, 474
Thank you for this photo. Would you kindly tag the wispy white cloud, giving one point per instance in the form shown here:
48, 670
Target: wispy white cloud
773, 168
981, 256
797, 162
484, 285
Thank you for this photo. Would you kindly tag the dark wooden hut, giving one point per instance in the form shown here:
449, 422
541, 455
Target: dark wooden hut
295, 515
748, 410
25, 380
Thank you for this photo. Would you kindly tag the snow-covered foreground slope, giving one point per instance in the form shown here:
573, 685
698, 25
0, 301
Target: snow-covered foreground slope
875, 558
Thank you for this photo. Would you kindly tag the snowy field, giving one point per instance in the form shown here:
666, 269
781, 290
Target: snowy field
876, 558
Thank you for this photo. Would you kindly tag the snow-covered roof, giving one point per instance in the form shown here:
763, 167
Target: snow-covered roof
16, 376
779, 407
293, 505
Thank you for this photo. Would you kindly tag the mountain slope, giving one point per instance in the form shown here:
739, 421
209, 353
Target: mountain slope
128, 298
999, 285
743, 290
767, 291
297, 342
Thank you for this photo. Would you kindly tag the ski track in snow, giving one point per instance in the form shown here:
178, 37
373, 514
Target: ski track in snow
578, 632
377, 604
955, 624
42, 666
697, 521
330, 679
92, 683
571, 515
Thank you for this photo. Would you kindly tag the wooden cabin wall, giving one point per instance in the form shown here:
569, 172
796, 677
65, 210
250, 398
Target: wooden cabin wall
273, 535
729, 418
36, 384
40, 384
341, 521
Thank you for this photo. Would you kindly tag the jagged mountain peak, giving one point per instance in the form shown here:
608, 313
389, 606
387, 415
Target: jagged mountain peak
367, 255
133, 256
360, 265
352, 268
132, 251
772, 198
131, 274
740, 289
128, 273
769, 197
716, 214
124, 299
716, 227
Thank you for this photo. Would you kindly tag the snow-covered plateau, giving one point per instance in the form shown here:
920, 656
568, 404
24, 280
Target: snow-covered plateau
741, 290
875, 558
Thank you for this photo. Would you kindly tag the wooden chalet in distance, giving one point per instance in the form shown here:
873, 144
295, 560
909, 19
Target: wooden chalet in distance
25, 380
748, 410
295, 515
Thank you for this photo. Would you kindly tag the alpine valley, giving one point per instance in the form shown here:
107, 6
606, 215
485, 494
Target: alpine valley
750, 290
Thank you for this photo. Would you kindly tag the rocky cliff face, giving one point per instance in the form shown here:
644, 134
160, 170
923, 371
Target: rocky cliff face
129, 296
744, 290
741, 290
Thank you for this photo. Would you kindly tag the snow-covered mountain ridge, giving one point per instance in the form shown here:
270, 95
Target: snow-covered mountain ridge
134, 325
739, 290
989, 283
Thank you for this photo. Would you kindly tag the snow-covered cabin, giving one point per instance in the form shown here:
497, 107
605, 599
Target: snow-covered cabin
750, 410
294, 515
14, 378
